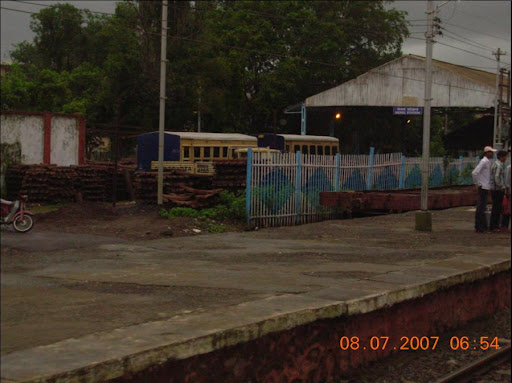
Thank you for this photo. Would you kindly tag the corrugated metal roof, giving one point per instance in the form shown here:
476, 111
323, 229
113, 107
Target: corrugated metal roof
480, 76
299, 137
401, 82
213, 136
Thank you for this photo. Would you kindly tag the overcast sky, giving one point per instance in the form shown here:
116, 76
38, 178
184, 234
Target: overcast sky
474, 26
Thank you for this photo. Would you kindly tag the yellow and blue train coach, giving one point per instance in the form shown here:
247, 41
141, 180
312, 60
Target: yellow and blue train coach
190, 147
292, 143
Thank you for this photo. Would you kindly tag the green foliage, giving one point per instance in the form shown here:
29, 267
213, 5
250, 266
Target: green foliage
176, 212
215, 228
218, 212
244, 58
231, 206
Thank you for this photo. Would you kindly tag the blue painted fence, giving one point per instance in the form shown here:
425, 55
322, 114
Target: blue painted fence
283, 188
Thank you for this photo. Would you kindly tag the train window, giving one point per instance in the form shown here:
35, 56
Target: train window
197, 152
287, 148
296, 148
233, 154
327, 150
320, 150
216, 152
312, 149
186, 152
225, 152
207, 152
304, 149
334, 150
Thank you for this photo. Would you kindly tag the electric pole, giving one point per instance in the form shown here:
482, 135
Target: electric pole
161, 124
496, 132
199, 110
424, 218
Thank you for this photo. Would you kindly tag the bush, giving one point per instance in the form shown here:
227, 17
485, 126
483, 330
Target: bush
212, 213
179, 212
231, 206
215, 228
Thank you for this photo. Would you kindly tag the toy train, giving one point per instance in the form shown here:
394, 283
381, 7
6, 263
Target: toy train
190, 147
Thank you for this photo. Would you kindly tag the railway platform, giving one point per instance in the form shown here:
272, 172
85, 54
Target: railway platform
264, 306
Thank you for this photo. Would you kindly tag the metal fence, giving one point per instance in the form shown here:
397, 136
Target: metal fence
283, 188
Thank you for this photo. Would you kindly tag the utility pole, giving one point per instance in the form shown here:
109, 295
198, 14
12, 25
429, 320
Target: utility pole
199, 110
161, 124
424, 218
497, 140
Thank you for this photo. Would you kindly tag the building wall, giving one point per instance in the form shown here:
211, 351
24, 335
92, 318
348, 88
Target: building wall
45, 138
29, 132
64, 147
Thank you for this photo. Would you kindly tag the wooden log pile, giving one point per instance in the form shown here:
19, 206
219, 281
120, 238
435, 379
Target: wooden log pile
50, 183
91, 180
32, 181
194, 198
14, 180
63, 183
230, 174
180, 189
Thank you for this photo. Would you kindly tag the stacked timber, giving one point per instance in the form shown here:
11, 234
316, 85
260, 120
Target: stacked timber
29, 180
14, 180
91, 182
230, 174
63, 183
145, 186
193, 198
180, 189
125, 172
35, 184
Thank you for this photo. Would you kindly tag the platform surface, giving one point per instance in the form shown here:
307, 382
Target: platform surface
109, 309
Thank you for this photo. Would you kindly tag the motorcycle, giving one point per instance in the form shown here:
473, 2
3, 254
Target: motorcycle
13, 212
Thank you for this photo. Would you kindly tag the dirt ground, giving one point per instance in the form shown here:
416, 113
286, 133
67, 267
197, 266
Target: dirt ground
128, 221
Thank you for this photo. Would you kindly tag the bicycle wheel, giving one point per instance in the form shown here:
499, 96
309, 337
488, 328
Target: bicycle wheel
23, 225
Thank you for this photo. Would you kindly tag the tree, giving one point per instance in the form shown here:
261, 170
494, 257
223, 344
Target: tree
245, 59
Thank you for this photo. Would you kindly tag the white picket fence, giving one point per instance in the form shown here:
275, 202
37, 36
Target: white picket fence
283, 188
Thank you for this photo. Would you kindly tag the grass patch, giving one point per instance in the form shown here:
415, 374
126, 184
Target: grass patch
231, 206
215, 228
42, 209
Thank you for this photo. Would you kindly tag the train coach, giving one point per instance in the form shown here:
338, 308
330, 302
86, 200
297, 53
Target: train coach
190, 147
292, 143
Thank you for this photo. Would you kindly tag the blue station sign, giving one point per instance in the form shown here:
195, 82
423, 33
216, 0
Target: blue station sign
408, 110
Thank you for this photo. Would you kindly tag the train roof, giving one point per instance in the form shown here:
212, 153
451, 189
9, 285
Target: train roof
212, 136
299, 137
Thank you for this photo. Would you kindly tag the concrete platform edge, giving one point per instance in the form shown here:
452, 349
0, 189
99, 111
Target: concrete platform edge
104, 356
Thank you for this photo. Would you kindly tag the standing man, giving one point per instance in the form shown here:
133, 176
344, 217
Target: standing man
506, 214
499, 188
483, 181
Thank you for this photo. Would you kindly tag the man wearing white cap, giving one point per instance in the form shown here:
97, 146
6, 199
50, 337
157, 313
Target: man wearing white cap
483, 181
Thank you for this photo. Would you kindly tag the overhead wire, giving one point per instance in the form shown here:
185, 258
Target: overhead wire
465, 38
306, 60
468, 43
483, 33
50, 5
220, 44
454, 47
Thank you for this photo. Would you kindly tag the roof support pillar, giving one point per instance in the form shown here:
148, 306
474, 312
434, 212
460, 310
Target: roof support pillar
303, 118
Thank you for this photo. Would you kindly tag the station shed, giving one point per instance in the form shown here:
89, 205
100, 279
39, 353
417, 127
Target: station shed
401, 83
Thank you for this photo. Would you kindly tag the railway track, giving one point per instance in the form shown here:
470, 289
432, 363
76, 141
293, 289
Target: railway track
480, 366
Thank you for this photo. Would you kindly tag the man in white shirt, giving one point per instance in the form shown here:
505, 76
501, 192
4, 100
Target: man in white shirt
505, 220
483, 181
